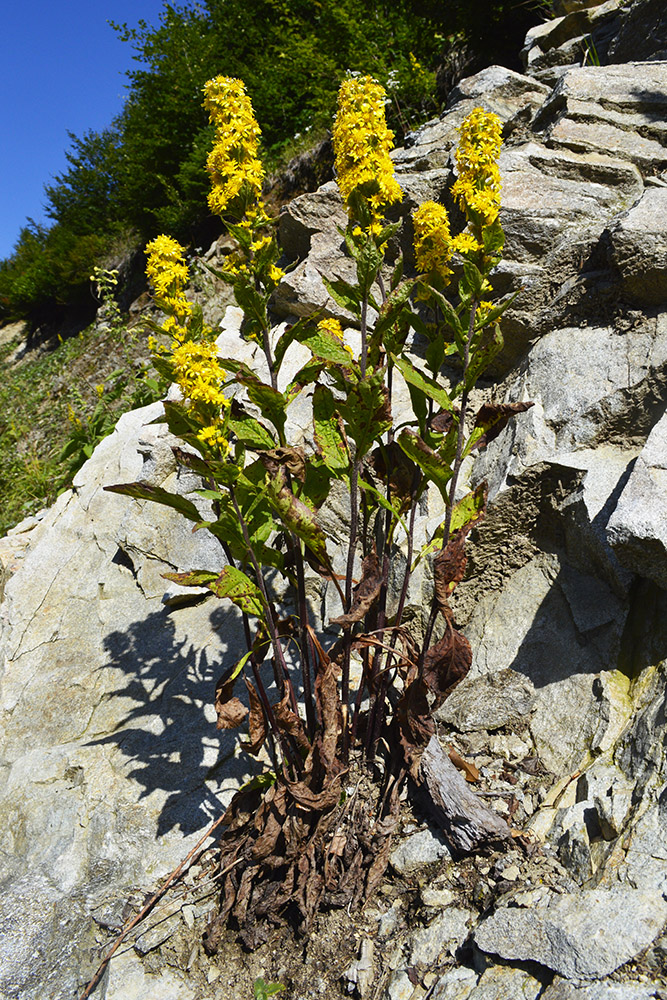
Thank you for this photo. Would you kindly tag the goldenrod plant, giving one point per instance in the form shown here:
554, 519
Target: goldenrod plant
325, 706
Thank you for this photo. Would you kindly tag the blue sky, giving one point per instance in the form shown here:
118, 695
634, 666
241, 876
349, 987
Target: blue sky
62, 68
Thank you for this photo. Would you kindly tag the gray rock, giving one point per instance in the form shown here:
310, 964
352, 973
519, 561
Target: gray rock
615, 111
637, 530
561, 989
422, 848
119, 778
581, 936
639, 248
443, 936
455, 984
502, 983
489, 702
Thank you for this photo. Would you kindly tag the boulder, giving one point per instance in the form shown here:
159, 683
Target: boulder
637, 529
585, 935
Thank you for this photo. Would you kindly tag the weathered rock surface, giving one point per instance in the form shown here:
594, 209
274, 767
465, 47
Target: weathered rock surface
583, 936
110, 765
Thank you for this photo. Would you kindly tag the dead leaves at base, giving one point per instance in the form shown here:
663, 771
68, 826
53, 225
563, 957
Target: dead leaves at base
287, 853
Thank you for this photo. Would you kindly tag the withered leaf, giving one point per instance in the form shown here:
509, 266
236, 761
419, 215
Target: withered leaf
290, 723
469, 770
492, 418
446, 664
230, 711
416, 725
366, 592
449, 566
391, 464
256, 721
327, 701
320, 801
293, 459
442, 421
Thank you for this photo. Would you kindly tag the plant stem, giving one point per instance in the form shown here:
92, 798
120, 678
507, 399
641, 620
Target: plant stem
273, 632
458, 461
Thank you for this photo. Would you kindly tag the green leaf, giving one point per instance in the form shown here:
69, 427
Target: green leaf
297, 516
288, 337
347, 296
249, 431
397, 273
473, 280
393, 306
329, 433
432, 465
483, 356
231, 583
493, 237
366, 411
424, 383
498, 310
468, 509
142, 491
384, 503
326, 346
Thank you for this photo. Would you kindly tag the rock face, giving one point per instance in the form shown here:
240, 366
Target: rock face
111, 767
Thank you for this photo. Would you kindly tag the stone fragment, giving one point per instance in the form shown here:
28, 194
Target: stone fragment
489, 702
637, 530
440, 938
583, 935
422, 848
502, 983
455, 984
638, 248
561, 989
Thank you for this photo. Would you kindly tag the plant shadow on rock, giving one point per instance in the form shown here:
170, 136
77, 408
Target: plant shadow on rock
172, 743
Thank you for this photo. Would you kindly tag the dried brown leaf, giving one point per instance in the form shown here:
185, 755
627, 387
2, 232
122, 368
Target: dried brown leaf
230, 711
256, 723
293, 459
366, 592
446, 664
290, 723
494, 418
469, 770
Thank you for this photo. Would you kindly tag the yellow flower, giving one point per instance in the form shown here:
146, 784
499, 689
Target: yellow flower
434, 245
198, 372
168, 274
478, 185
233, 163
362, 142
466, 243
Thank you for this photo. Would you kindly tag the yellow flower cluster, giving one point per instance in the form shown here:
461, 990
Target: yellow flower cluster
434, 245
233, 163
201, 379
168, 274
478, 184
198, 372
362, 142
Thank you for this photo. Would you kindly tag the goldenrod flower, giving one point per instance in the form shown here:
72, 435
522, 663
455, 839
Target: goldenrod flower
233, 163
168, 274
433, 243
362, 142
478, 184
198, 372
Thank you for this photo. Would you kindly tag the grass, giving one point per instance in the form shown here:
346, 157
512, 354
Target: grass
63, 399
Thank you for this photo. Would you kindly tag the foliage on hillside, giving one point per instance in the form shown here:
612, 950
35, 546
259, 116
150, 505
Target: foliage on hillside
145, 173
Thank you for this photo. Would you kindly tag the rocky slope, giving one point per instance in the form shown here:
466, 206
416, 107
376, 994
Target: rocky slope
111, 766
